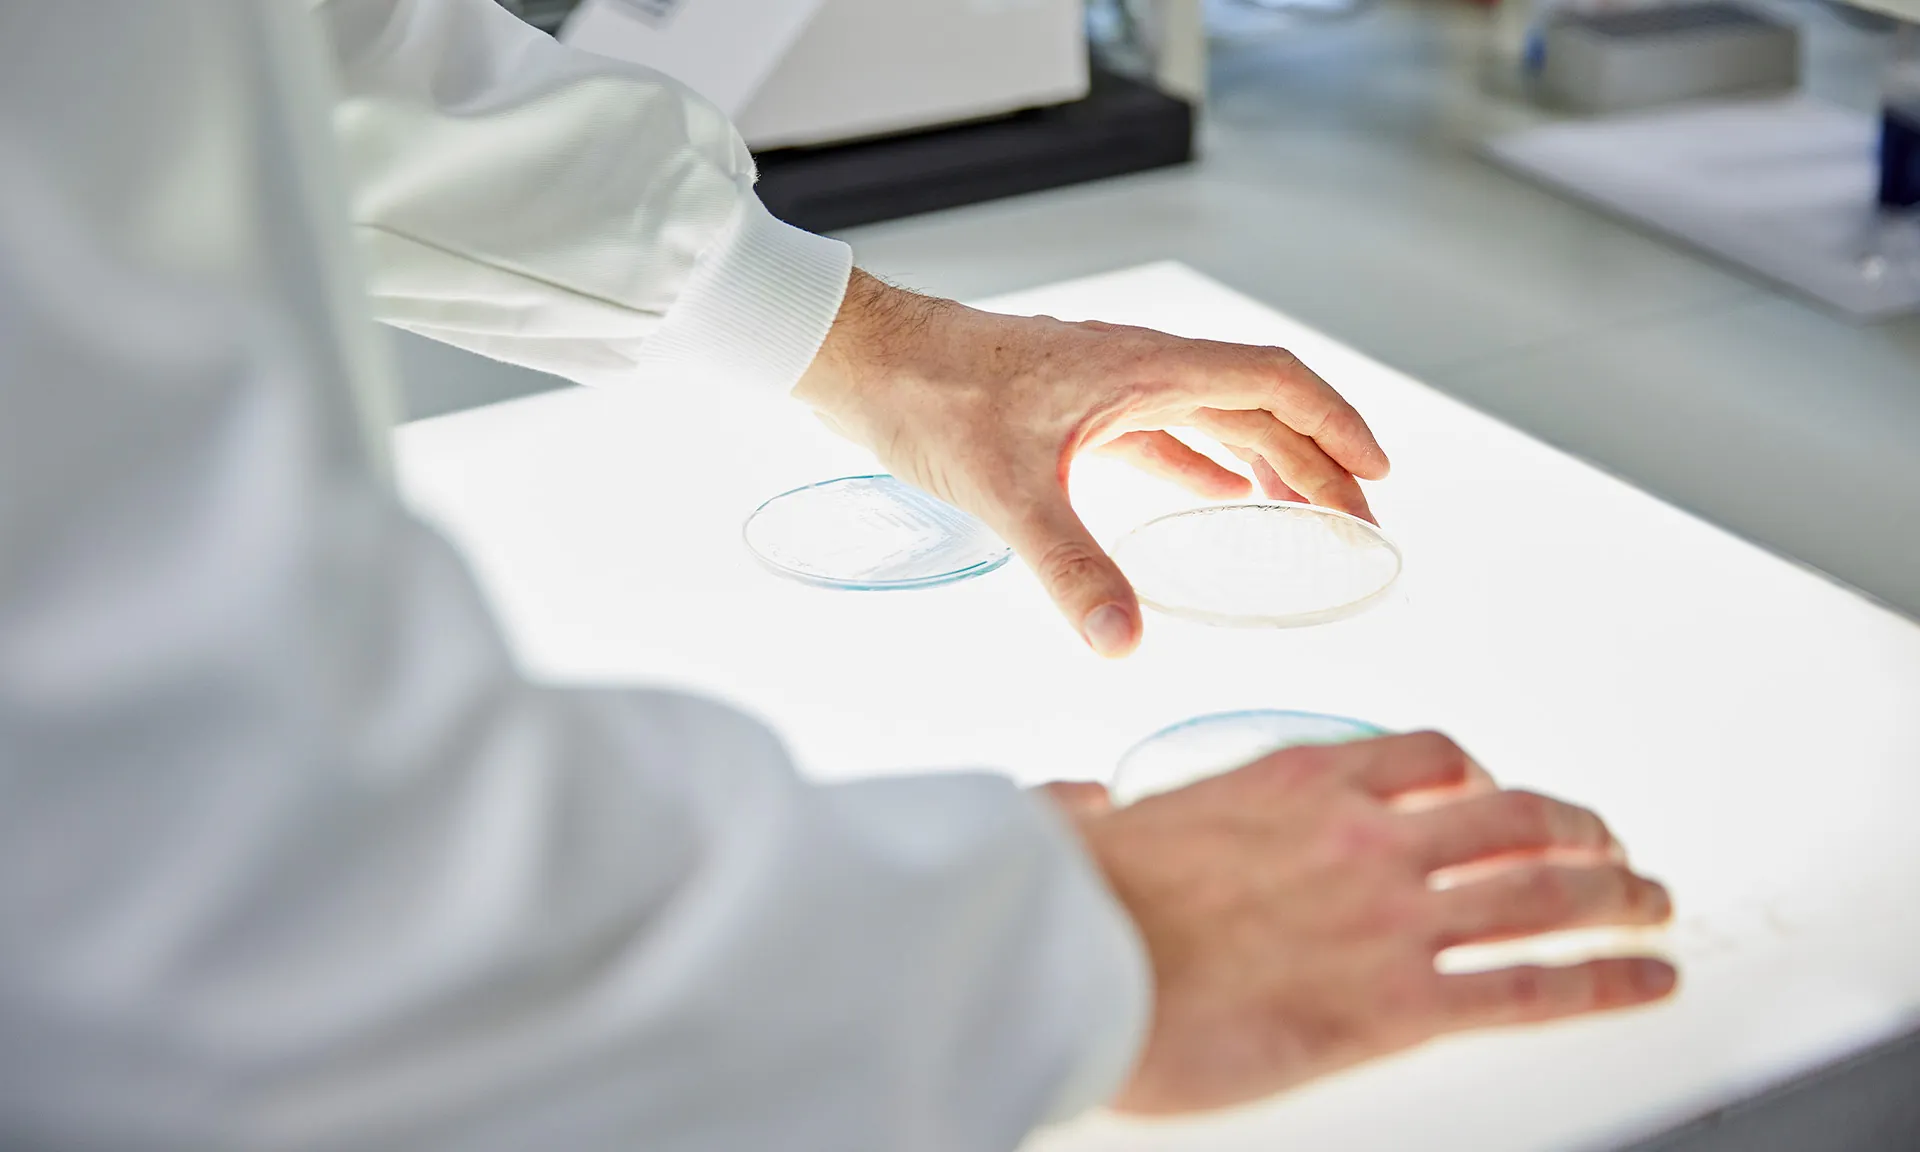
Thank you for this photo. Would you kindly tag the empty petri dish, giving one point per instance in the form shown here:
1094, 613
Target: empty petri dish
870, 533
1222, 741
1259, 565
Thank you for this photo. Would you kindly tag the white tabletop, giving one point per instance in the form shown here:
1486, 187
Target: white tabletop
1752, 730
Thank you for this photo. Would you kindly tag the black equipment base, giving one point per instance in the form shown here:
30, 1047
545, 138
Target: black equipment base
1123, 126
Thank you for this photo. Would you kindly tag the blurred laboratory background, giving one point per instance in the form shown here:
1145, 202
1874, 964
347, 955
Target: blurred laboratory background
1676, 238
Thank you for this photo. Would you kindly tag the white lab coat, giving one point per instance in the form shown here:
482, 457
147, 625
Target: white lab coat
291, 855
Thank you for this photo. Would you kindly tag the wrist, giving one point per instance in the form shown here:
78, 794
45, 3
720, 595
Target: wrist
873, 341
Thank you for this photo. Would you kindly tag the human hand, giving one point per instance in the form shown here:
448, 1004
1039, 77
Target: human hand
987, 412
1290, 917
1077, 798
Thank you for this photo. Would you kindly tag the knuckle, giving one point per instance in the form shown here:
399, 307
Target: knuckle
1527, 987
1640, 897
1363, 834
1548, 894
1274, 777
1070, 564
1531, 816
1273, 359
1437, 746
1531, 991
1619, 888
1281, 368
1439, 750
1295, 766
1311, 757
1580, 827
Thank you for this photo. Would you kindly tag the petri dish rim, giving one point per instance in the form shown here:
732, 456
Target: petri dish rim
817, 581
1371, 730
1362, 729
1296, 620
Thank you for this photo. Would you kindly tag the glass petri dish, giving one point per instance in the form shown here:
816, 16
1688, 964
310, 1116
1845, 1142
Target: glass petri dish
870, 533
1219, 742
1280, 565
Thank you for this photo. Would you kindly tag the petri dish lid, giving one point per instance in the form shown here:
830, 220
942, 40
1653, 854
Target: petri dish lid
870, 533
1280, 565
1219, 742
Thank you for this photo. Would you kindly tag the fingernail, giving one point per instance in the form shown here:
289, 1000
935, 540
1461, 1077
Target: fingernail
1654, 978
1108, 630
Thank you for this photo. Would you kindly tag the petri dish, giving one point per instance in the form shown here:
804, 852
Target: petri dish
1219, 742
1280, 565
870, 533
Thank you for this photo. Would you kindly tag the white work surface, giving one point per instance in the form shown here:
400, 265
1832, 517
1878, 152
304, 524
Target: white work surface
1751, 730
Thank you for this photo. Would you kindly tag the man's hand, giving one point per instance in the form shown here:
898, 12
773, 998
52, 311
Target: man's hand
987, 412
1292, 923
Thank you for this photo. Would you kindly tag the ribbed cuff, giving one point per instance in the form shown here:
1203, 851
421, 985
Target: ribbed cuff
757, 307
1117, 988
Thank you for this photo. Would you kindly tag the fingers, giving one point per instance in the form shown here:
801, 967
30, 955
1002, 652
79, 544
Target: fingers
1504, 823
1083, 580
1532, 994
1548, 898
1419, 762
1271, 484
1078, 797
1297, 459
1275, 380
1166, 457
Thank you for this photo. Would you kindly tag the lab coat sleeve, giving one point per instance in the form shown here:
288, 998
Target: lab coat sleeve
291, 856
564, 211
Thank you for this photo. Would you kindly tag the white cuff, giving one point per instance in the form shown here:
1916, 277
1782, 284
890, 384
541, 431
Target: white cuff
1117, 992
757, 307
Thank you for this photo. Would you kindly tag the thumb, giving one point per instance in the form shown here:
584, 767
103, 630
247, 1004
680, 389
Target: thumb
1083, 580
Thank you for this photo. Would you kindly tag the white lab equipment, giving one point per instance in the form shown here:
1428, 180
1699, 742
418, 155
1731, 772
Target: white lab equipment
867, 67
807, 72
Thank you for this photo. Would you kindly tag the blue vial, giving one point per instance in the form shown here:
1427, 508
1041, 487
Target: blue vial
1900, 154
